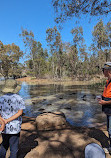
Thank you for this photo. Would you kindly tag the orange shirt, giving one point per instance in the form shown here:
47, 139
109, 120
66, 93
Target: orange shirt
107, 90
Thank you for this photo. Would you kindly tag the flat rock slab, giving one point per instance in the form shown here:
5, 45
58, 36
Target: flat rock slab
67, 143
61, 143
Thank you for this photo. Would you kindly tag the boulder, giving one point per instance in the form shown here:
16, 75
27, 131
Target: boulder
51, 121
53, 149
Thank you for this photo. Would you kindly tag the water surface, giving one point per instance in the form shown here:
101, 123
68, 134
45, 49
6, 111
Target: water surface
78, 103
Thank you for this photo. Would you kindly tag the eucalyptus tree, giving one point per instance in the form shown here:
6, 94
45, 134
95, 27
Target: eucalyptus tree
100, 37
30, 44
29, 67
108, 30
77, 33
9, 59
18, 71
93, 66
76, 8
78, 42
80, 51
72, 61
36, 55
40, 60
101, 43
85, 62
54, 41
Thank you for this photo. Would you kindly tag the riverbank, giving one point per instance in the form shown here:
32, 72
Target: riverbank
64, 143
34, 81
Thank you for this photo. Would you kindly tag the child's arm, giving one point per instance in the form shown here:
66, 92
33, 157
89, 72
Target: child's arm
19, 113
2, 124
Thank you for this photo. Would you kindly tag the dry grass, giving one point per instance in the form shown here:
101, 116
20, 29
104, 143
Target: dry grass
34, 81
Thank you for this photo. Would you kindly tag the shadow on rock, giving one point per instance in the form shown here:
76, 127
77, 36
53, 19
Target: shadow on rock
99, 136
28, 138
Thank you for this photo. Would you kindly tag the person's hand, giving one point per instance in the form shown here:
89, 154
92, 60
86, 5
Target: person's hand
102, 102
2, 125
5, 121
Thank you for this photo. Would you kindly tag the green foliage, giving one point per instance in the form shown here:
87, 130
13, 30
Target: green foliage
100, 84
100, 35
101, 43
9, 59
53, 39
68, 8
71, 59
37, 57
77, 35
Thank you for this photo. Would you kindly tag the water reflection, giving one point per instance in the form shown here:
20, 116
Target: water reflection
78, 103
25, 90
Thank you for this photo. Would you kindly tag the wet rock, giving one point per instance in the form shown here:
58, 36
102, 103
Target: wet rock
84, 97
68, 108
41, 109
60, 97
36, 101
51, 121
93, 96
72, 93
49, 104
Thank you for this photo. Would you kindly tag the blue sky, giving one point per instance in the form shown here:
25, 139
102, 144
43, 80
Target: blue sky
37, 16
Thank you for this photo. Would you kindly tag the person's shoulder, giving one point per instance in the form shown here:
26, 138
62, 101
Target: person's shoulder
20, 100
17, 96
3, 96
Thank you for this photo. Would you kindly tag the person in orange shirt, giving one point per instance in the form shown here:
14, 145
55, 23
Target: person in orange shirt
106, 98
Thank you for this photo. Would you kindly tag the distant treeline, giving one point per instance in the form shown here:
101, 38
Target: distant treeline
63, 59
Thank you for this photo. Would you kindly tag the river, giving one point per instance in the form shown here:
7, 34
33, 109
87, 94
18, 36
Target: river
78, 103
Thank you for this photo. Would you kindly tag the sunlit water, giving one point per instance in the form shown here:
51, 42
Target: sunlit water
78, 103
